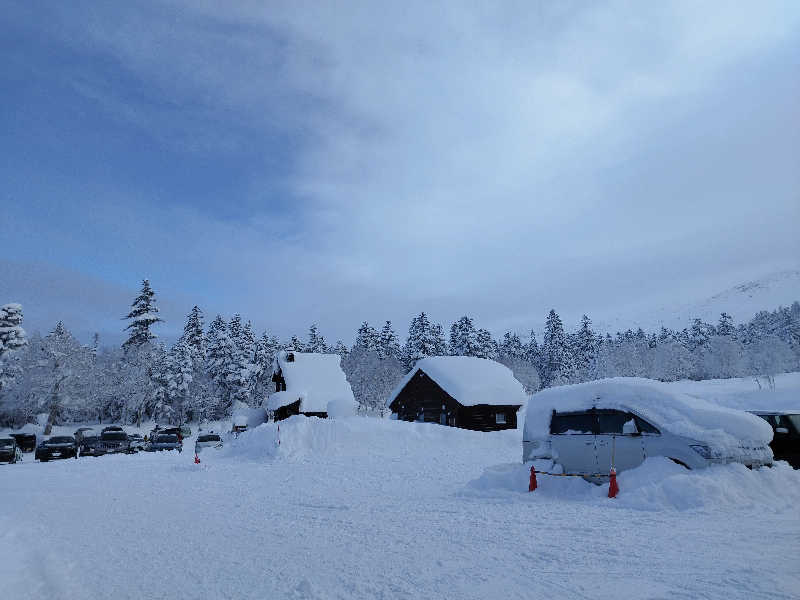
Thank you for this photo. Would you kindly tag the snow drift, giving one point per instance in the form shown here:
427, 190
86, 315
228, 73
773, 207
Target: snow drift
657, 484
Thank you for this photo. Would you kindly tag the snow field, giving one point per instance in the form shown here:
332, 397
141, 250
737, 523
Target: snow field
368, 508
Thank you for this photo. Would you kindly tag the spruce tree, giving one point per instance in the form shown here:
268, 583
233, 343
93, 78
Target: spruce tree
367, 337
388, 344
464, 338
193, 333
143, 315
555, 364
12, 335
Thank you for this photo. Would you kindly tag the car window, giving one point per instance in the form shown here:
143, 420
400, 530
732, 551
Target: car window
613, 421
790, 422
573, 423
645, 427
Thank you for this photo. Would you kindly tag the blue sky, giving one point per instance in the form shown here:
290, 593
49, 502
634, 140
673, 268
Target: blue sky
307, 163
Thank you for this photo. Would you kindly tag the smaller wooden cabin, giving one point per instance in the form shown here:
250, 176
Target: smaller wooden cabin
459, 391
309, 384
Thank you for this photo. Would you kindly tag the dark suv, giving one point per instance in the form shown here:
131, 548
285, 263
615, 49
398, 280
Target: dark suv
25, 441
61, 446
114, 441
786, 435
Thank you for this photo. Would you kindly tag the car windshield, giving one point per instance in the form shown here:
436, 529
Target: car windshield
6, 443
61, 440
115, 436
167, 439
794, 420
208, 438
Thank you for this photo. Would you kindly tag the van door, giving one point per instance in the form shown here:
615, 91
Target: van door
572, 440
618, 440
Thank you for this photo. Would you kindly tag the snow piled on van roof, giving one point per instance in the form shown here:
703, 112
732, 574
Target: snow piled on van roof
659, 403
470, 380
315, 379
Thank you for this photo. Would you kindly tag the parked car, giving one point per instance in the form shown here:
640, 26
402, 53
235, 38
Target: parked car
25, 441
159, 430
10, 452
90, 445
112, 428
165, 441
207, 440
81, 432
786, 435
60, 446
114, 441
589, 427
136, 442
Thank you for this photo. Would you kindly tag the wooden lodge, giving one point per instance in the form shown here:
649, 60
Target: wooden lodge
306, 384
459, 391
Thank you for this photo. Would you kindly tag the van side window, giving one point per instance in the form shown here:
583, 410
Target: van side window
573, 423
645, 427
612, 422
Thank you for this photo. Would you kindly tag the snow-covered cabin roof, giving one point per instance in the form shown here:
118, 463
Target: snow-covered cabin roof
469, 380
659, 403
314, 379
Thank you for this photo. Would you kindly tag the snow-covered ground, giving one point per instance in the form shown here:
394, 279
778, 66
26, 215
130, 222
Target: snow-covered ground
368, 508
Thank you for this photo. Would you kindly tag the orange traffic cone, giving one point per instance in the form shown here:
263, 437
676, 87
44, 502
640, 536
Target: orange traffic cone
613, 488
196, 459
532, 485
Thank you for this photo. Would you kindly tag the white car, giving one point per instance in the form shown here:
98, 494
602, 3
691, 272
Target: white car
589, 427
207, 440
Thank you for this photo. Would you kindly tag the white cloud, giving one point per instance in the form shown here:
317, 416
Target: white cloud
485, 160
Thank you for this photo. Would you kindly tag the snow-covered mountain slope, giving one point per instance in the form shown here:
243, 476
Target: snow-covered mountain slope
741, 301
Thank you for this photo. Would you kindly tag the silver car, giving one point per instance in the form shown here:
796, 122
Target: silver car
588, 442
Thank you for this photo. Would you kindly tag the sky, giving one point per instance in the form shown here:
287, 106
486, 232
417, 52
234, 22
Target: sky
301, 162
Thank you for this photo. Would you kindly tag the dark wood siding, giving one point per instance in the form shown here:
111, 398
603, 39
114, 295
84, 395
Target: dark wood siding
284, 412
422, 399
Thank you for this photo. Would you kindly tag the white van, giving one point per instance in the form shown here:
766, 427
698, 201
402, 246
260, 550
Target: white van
589, 427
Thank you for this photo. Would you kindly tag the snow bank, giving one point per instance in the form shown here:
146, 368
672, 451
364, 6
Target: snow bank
658, 484
314, 379
308, 438
745, 393
659, 403
469, 380
246, 415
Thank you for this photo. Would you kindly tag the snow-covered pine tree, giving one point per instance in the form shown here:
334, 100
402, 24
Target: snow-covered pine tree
193, 333
464, 338
511, 346
12, 338
367, 337
486, 344
316, 342
220, 365
584, 349
388, 343
725, 327
424, 339
143, 315
555, 358
295, 344
340, 349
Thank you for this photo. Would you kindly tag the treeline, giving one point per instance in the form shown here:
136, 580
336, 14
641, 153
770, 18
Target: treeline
210, 370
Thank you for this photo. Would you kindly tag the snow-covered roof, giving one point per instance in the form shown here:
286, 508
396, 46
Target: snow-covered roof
469, 380
659, 403
314, 379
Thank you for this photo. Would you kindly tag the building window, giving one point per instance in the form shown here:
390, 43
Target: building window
500, 418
